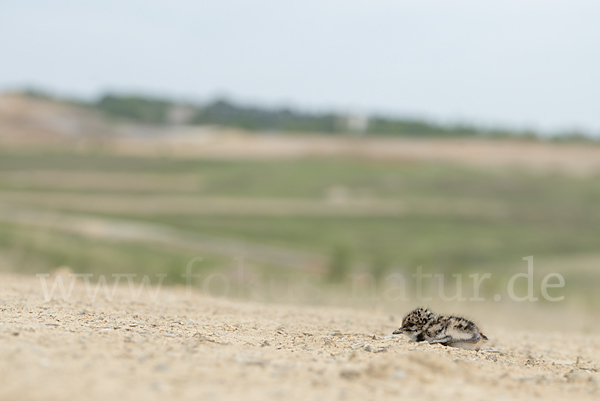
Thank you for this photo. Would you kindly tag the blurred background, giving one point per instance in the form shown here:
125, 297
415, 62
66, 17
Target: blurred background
307, 151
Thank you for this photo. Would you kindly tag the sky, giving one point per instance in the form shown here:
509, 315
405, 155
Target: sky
511, 63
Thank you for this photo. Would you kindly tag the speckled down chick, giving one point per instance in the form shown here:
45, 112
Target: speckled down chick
423, 325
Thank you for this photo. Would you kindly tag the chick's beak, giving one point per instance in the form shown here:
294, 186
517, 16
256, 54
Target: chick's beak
399, 331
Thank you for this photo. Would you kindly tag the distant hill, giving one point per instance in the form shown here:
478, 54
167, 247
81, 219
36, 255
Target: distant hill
32, 117
221, 112
227, 113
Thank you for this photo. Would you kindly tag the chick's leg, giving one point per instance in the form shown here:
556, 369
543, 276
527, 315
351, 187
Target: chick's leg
475, 339
441, 340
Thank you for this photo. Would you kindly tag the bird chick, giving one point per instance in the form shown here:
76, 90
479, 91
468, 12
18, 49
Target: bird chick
423, 325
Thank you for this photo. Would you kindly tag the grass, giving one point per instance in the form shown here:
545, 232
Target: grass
40, 250
545, 215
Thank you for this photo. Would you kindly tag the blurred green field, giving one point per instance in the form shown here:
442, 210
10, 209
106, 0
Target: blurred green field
351, 214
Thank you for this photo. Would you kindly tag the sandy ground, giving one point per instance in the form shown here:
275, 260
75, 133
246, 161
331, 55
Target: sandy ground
189, 346
574, 159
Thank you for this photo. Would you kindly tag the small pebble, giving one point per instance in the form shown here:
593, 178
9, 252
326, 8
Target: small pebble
162, 367
575, 376
399, 374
